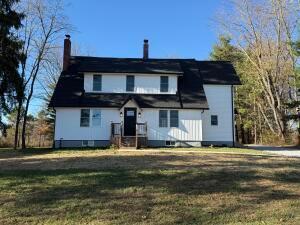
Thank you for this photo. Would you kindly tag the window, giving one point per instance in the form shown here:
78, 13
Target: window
86, 143
97, 83
214, 120
96, 118
170, 143
91, 143
174, 118
85, 118
164, 84
130, 113
163, 118
129, 83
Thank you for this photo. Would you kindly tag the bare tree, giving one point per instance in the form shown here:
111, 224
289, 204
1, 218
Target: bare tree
44, 25
263, 30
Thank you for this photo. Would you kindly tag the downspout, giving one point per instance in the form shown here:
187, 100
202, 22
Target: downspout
232, 114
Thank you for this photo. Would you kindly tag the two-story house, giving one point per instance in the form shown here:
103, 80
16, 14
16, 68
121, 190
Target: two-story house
143, 101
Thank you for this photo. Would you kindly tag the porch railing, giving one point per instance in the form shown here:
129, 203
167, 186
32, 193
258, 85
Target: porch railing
140, 137
141, 129
116, 129
116, 134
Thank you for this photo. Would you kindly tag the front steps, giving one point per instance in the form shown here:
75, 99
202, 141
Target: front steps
128, 142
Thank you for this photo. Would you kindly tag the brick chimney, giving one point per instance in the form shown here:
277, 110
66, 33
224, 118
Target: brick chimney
67, 52
146, 50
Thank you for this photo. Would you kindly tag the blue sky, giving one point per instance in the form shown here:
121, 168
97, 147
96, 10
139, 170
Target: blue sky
116, 28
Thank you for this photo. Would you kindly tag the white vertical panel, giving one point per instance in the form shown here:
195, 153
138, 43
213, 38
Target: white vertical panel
219, 101
190, 126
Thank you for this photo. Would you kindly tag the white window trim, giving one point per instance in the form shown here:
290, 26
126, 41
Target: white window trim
97, 74
134, 85
171, 143
90, 143
82, 143
89, 118
160, 85
170, 118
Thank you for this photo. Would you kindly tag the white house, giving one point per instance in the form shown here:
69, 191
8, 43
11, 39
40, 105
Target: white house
143, 101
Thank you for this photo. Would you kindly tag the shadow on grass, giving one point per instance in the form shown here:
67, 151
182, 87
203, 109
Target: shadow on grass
133, 192
273, 148
155, 161
126, 186
7, 153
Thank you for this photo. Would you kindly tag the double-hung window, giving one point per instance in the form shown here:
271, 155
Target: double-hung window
129, 83
85, 118
163, 118
96, 118
174, 118
164, 84
97, 83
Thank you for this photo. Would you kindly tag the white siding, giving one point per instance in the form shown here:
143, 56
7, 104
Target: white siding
219, 101
190, 126
144, 84
67, 125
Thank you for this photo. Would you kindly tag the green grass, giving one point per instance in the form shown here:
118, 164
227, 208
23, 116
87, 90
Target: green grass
107, 187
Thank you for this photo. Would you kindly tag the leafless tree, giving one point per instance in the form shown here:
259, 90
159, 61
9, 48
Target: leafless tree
44, 25
264, 30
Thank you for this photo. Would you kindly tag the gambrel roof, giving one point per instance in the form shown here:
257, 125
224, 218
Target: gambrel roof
192, 74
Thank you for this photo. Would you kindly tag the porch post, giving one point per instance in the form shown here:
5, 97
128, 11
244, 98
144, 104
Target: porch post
136, 135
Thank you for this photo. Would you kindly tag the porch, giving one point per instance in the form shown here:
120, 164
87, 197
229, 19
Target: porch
137, 139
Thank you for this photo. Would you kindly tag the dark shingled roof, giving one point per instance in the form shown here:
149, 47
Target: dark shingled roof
126, 65
218, 72
69, 91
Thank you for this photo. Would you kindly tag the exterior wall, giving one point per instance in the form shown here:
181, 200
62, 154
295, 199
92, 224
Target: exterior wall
144, 84
68, 132
194, 125
220, 104
67, 125
190, 126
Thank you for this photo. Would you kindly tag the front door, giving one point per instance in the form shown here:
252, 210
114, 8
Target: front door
129, 121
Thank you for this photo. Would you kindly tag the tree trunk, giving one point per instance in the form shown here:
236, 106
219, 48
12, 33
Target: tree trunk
25, 120
17, 125
255, 125
243, 134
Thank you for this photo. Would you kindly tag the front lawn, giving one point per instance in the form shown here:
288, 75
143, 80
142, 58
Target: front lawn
111, 187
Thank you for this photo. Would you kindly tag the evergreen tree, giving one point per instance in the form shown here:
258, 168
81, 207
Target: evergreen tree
10, 57
244, 94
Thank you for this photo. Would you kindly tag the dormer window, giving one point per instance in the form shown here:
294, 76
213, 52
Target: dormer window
164, 84
130, 83
97, 83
